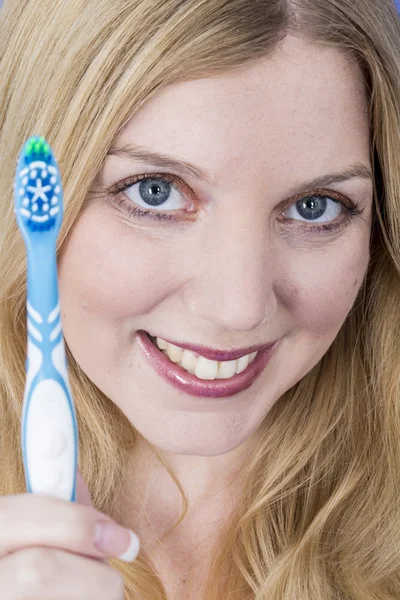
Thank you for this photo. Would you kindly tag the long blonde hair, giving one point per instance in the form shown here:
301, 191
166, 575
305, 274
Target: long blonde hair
320, 514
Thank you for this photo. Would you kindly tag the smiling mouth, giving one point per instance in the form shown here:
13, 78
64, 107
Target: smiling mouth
202, 380
203, 368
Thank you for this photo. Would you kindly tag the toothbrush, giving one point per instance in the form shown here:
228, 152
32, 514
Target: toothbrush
49, 429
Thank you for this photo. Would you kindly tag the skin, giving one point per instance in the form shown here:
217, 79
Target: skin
233, 276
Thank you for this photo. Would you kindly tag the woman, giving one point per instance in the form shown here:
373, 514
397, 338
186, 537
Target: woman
279, 224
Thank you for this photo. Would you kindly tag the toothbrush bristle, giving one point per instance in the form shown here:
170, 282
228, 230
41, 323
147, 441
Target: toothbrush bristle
38, 185
37, 149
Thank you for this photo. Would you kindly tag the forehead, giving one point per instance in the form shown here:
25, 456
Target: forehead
303, 105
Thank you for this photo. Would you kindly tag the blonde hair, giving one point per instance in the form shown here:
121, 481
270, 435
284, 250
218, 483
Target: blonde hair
319, 517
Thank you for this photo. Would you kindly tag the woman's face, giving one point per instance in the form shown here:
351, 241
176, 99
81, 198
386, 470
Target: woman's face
246, 258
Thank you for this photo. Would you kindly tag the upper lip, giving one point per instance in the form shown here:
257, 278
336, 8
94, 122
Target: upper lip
213, 354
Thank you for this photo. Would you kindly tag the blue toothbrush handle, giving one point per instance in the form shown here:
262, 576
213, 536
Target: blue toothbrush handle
49, 428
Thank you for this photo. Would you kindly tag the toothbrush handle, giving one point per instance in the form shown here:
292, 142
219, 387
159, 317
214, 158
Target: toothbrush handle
49, 430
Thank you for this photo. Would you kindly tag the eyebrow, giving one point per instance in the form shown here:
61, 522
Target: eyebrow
157, 159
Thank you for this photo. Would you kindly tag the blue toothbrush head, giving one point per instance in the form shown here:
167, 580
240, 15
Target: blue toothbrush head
38, 197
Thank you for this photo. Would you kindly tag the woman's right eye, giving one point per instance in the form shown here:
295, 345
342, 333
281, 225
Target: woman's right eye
154, 192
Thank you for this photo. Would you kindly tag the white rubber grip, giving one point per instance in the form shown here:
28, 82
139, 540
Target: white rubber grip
49, 432
50, 435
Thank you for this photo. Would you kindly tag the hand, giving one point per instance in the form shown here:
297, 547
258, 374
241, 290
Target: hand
48, 549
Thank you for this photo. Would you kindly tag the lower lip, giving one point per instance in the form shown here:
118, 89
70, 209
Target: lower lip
216, 388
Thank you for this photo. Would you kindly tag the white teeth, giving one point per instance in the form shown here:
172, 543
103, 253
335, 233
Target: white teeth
226, 369
174, 352
202, 367
161, 344
188, 361
206, 369
242, 363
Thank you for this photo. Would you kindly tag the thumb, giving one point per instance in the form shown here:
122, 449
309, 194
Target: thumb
82, 490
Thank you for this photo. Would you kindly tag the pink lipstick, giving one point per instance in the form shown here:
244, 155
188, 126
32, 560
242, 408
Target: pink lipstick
216, 388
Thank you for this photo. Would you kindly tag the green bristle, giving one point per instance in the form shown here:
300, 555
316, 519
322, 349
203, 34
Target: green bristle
29, 148
37, 147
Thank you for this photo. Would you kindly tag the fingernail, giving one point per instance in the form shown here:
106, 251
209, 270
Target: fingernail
114, 540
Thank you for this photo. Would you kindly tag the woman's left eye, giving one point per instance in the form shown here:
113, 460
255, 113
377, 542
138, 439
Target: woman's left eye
166, 191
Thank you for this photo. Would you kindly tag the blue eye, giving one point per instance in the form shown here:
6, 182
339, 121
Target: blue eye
315, 207
154, 192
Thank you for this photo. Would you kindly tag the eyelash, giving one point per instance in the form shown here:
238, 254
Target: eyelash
350, 211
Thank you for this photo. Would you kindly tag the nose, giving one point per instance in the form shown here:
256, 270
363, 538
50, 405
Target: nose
232, 280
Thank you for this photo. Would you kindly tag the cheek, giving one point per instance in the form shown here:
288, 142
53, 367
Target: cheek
321, 300
111, 275
318, 290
